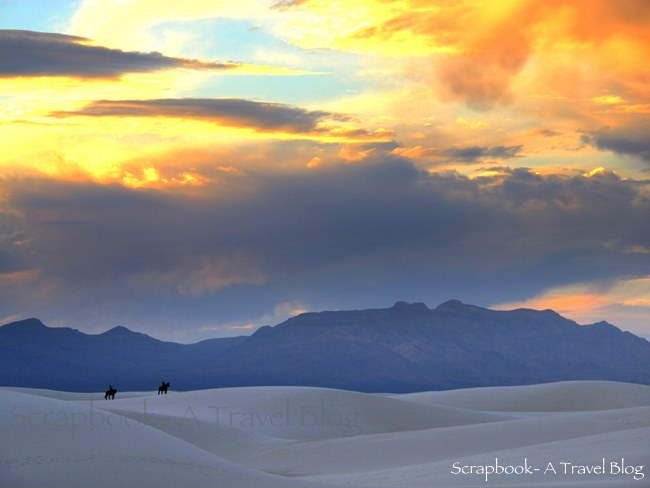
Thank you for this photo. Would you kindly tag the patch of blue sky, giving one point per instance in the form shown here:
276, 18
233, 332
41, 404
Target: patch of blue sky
279, 89
37, 15
218, 39
243, 41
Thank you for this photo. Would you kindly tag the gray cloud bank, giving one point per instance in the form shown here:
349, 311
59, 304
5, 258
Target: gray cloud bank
228, 111
29, 53
345, 236
475, 153
631, 140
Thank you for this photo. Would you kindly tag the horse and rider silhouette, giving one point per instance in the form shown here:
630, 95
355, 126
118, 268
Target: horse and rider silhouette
110, 393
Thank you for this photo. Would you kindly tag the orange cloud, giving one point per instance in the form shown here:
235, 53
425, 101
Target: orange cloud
130, 140
19, 277
479, 47
352, 152
200, 275
416, 152
590, 301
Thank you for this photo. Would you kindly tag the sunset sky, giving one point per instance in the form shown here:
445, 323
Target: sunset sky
200, 168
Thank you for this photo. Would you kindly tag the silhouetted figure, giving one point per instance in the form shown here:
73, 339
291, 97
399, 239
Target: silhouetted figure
163, 388
110, 393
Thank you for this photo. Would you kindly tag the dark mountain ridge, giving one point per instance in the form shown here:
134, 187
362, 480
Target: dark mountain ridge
408, 347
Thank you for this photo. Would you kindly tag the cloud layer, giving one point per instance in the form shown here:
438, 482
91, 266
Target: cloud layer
480, 48
350, 235
231, 112
28, 53
473, 153
633, 140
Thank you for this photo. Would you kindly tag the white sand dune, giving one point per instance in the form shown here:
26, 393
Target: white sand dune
299, 413
52, 443
302, 437
388, 451
72, 395
629, 445
565, 396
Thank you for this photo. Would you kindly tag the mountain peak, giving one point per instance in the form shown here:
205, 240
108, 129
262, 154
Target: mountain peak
31, 324
603, 325
452, 305
411, 307
120, 330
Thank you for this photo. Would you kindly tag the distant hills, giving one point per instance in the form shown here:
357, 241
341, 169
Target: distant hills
33, 355
405, 348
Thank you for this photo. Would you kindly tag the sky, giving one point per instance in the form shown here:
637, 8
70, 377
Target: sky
199, 169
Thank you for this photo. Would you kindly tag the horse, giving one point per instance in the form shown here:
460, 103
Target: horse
163, 388
110, 393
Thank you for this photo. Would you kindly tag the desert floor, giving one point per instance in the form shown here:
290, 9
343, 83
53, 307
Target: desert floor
591, 433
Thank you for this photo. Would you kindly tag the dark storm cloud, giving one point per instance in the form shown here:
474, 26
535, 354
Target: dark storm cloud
349, 235
474, 153
28, 53
228, 111
634, 140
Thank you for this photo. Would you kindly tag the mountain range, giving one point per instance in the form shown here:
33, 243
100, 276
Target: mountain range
407, 347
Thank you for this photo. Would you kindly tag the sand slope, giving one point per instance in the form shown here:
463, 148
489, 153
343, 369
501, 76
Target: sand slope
566, 396
302, 437
301, 413
48, 442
